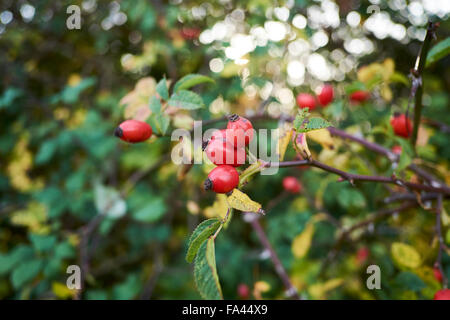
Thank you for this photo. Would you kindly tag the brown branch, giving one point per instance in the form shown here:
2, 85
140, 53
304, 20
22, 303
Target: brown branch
291, 291
351, 177
417, 79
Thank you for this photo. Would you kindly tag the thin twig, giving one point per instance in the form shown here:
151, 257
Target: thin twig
417, 79
291, 291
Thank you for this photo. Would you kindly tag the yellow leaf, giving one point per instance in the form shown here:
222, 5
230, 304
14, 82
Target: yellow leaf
219, 208
285, 134
240, 201
405, 255
302, 242
318, 291
61, 291
34, 216
323, 137
74, 79
386, 93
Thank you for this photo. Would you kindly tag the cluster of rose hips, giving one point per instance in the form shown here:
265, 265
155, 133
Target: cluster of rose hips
226, 149
306, 100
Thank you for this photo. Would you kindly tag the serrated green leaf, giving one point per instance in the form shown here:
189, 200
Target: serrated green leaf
203, 231
154, 104
205, 272
439, 51
186, 100
162, 89
191, 80
300, 118
315, 124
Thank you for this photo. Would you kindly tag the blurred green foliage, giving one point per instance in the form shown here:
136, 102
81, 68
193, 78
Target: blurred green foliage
61, 96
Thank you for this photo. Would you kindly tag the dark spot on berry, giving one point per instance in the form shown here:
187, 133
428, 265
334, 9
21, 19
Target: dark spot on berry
234, 117
118, 132
208, 185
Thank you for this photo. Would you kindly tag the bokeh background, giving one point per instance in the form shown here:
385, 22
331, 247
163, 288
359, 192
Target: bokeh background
62, 93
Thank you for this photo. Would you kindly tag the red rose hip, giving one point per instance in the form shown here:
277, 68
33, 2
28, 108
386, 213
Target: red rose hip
306, 100
292, 185
220, 152
443, 294
239, 131
359, 96
133, 131
402, 125
326, 95
222, 179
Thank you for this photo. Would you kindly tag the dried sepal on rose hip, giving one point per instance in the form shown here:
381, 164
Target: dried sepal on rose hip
222, 179
239, 131
133, 131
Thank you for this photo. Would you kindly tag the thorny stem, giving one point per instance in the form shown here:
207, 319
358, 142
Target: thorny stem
417, 79
291, 291
441, 242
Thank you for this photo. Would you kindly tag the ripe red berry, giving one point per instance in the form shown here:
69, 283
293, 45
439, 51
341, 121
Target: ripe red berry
443, 294
219, 134
243, 291
362, 254
133, 131
306, 100
359, 96
190, 33
239, 131
397, 149
402, 126
220, 152
437, 274
292, 185
326, 95
222, 179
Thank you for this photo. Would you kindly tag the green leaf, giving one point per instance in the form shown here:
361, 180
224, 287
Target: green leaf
160, 122
162, 89
109, 202
439, 51
155, 104
8, 97
42, 243
409, 281
406, 156
46, 152
152, 211
203, 231
191, 80
26, 272
205, 272
315, 124
186, 100
300, 118
355, 86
